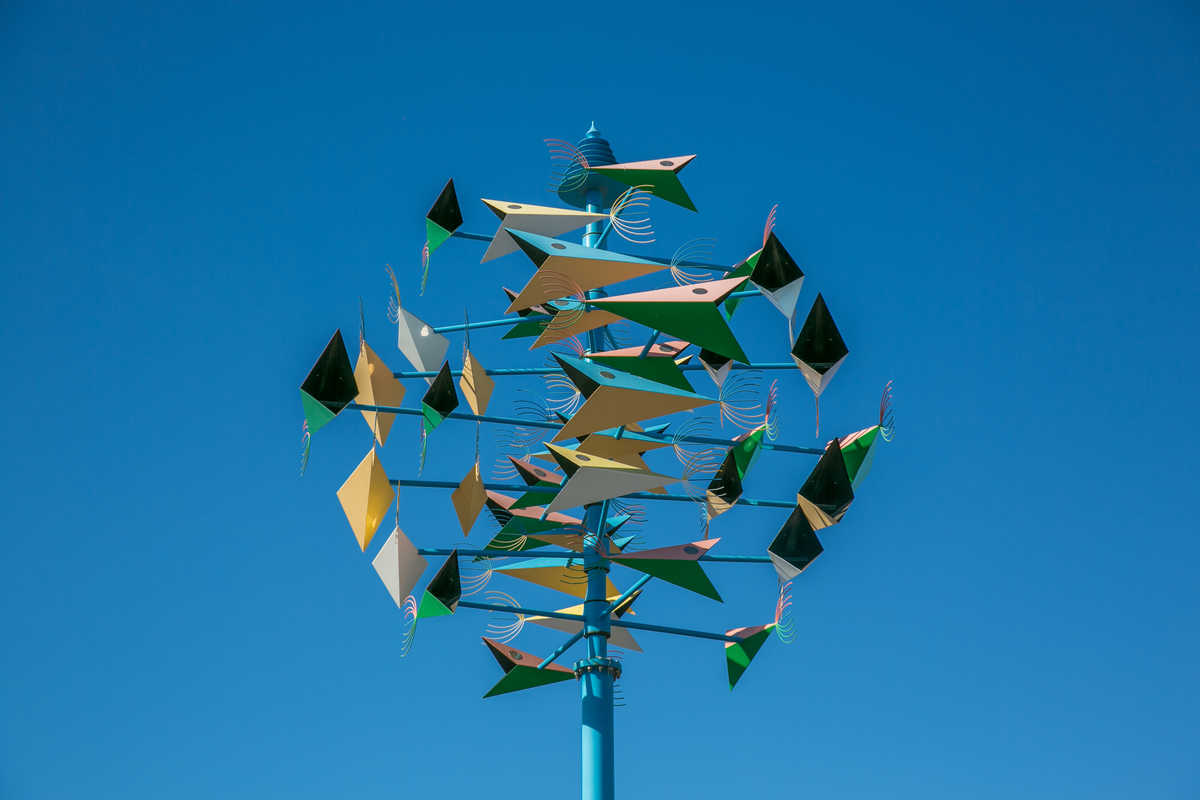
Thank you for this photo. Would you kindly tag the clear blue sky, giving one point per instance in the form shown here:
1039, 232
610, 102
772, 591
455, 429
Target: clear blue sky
1000, 206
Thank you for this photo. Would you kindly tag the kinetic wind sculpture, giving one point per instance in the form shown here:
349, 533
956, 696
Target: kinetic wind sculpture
576, 475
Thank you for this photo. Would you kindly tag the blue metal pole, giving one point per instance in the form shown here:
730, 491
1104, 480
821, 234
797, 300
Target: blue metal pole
596, 672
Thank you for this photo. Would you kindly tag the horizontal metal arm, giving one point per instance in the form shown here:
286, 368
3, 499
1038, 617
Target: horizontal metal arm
479, 237
529, 612
537, 423
520, 487
620, 623
646, 626
412, 373
502, 321
536, 553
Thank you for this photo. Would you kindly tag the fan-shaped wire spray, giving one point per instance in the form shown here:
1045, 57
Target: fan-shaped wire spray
502, 468
393, 312
785, 622
408, 625
562, 396
498, 630
637, 518
305, 447
692, 250
770, 223
517, 440
569, 167
424, 267
570, 298
424, 443
574, 347
699, 462
738, 400
509, 542
474, 579
638, 230
771, 412
574, 573
887, 414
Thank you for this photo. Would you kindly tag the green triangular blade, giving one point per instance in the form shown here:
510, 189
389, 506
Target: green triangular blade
435, 234
522, 677
686, 574
316, 414
430, 418
444, 591
431, 607
738, 655
742, 270
746, 451
859, 453
533, 498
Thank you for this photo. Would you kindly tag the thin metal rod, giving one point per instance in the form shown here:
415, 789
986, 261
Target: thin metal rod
620, 623
410, 373
562, 648
537, 423
488, 323
628, 593
646, 626
514, 487
530, 612
502, 321
535, 553
479, 237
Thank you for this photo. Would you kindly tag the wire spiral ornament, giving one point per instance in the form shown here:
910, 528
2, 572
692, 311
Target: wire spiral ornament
518, 441
574, 574
887, 414
393, 311
562, 396
699, 462
771, 411
569, 166
408, 629
738, 400
305, 446
634, 510
424, 268
769, 226
423, 441
570, 299
639, 230
785, 622
692, 250
498, 630
574, 347
473, 579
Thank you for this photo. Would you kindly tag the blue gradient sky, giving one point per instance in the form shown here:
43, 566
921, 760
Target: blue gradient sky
999, 205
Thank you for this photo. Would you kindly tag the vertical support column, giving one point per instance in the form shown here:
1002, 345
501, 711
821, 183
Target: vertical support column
596, 672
